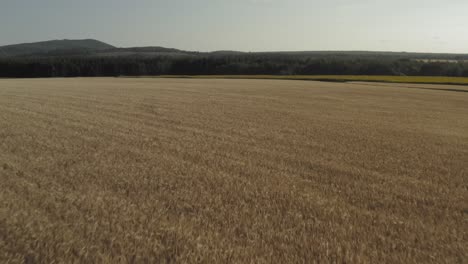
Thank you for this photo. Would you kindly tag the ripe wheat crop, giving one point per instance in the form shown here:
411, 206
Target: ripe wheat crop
145, 170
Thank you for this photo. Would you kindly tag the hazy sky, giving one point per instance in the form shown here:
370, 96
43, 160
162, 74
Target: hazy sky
247, 25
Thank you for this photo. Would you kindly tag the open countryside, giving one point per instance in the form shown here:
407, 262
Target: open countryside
152, 170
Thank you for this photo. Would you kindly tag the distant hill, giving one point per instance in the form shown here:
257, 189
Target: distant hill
84, 48
71, 58
87, 48
53, 47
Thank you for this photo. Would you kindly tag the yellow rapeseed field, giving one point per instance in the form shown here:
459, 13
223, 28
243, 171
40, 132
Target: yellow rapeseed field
147, 170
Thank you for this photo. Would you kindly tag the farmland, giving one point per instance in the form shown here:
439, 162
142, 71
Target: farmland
340, 78
111, 170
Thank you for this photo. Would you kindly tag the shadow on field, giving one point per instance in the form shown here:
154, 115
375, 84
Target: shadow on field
410, 87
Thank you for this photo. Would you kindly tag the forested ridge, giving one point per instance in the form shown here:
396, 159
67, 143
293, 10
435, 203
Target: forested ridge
69, 58
226, 65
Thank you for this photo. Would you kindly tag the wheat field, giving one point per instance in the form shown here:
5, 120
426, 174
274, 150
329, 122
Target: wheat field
147, 170
462, 81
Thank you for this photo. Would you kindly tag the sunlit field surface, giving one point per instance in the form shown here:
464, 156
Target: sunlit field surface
111, 170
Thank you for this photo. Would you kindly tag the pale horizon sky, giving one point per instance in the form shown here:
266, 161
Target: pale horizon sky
244, 25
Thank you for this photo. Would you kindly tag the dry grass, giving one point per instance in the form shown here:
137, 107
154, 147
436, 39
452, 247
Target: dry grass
244, 171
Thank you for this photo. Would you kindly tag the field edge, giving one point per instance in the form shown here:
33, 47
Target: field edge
330, 78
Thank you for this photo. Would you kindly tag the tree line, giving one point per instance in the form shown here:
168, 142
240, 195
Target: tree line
235, 64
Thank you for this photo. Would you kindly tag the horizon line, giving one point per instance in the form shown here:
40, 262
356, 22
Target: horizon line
241, 51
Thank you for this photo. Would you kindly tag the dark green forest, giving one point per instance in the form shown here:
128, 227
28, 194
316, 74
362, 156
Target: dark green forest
227, 64
89, 57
